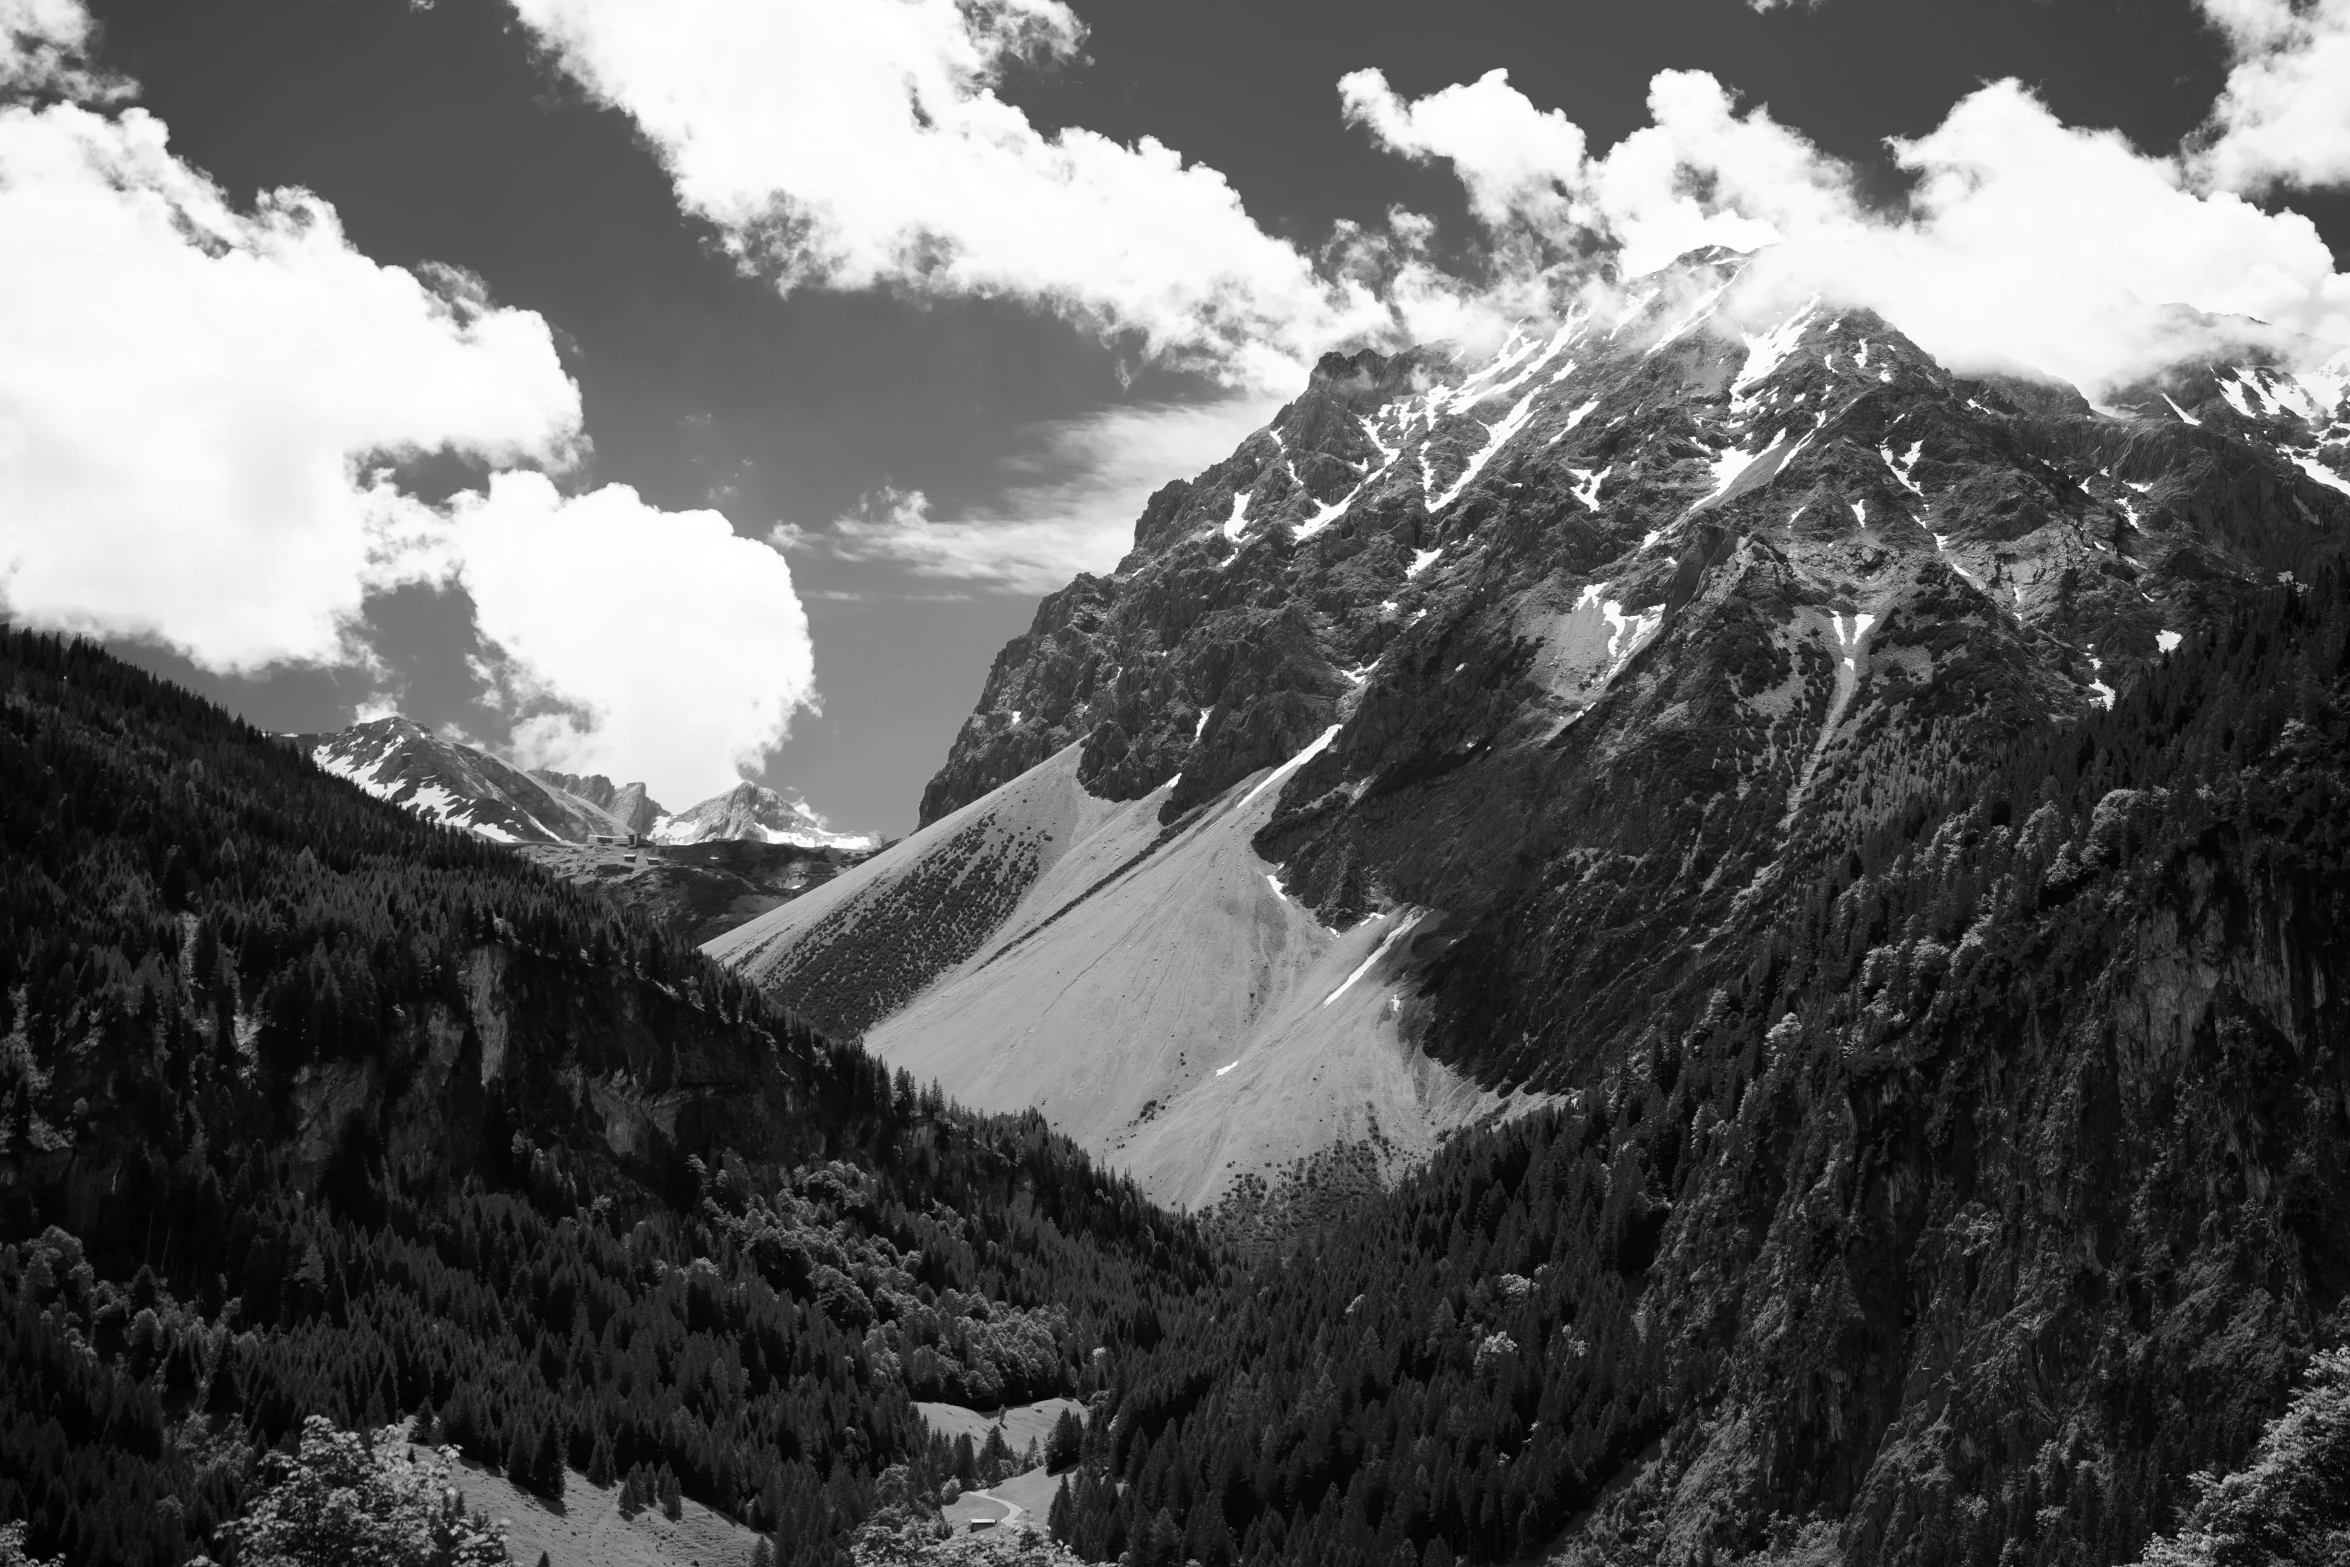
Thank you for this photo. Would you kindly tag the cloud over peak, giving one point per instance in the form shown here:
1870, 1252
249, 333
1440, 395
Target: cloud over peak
2022, 240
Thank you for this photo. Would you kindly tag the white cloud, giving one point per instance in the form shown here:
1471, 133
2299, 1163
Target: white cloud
45, 47
2284, 117
860, 143
2024, 240
200, 409
1514, 159
1070, 505
186, 393
660, 645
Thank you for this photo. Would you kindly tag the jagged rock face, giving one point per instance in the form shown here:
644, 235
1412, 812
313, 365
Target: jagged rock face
627, 804
1616, 632
756, 813
399, 760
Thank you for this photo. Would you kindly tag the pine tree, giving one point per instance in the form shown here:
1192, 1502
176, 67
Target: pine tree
521, 1452
672, 1498
600, 1465
547, 1468
1066, 1441
995, 1458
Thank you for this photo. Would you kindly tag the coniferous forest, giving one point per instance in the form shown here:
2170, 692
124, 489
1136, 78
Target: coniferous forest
2004, 1192
313, 1109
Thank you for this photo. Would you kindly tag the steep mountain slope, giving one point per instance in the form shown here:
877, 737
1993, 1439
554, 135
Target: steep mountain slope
2002, 1188
311, 1107
1566, 661
756, 814
1151, 989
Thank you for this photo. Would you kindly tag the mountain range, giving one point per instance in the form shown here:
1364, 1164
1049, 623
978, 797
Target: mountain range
1425, 755
458, 785
1691, 943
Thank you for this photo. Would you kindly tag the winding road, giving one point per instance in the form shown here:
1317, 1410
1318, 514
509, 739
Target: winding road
1012, 1509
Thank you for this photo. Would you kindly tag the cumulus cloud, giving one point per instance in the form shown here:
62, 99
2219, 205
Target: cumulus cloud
188, 395
2022, 241
1516, 161
861, 143
45, 47
202, 409
1070, 505
636, 642
2284, 117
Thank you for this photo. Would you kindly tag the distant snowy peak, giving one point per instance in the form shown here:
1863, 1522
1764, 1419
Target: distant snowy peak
399, 760
457, 785
758, 814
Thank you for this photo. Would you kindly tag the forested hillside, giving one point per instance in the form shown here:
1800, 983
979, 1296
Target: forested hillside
2005, 1189
2002, 1191
310, 1108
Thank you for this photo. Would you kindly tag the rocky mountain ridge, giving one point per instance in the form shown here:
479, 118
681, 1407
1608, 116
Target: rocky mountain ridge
754, 813
1560, 662
627, 804
445, 780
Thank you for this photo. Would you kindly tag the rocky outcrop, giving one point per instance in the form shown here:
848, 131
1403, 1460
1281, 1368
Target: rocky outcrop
627, 804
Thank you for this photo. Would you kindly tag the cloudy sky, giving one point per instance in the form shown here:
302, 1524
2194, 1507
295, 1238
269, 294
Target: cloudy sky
684, 388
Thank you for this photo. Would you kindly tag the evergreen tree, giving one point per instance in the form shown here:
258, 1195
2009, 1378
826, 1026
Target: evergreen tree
521, 1453
547, 1467
1064, 1443
600, 1466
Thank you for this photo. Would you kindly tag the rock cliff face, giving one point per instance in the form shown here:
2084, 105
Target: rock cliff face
627, 804
1571, 657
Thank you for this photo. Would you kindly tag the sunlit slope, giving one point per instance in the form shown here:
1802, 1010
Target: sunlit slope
1151, 989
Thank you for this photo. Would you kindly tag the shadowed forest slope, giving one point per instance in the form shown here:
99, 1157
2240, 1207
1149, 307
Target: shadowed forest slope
1986, 1203
308, 1107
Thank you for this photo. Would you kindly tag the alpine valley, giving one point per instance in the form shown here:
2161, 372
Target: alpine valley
1697, 941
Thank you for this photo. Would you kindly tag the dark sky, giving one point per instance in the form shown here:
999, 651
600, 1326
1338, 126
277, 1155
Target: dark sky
438, 135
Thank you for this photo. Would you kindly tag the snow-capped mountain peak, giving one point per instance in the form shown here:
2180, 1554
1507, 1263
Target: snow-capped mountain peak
397, 759
756, 813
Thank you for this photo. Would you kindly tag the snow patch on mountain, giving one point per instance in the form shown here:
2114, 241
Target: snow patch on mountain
757, 814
